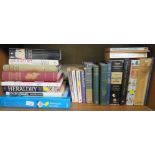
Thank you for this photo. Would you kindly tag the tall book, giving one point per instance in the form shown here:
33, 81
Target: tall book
83, 86
116, 81
88, 81
125, 79
105, 78
134, 68
27, 53
78, 83
149, 81
142, 80
95, 84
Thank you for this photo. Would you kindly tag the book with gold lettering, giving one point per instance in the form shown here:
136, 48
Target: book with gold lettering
31, 76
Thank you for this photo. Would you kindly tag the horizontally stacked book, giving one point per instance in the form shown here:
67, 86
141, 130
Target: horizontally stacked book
122, 79
33, 78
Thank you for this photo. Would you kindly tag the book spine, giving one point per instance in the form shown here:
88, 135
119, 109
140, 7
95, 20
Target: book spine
32, 68
30, 89
74, 85
16, 53
31, 76
109, 83
78, 80
88, 81
142, 80
35, 102
116, 81
132, 82
33, 61
125, 79
71, 86
149, 81
95, 84
44, 84
103, 83
83, 86
45, 94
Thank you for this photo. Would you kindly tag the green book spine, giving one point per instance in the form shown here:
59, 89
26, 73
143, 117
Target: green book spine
103, 83
95, 84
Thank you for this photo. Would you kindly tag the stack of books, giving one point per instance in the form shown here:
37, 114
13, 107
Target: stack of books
122, 79
33, 78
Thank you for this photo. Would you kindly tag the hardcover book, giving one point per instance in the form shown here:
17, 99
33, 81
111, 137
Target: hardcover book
31, 68
36, 102
105, 78
78, 83
44, 84
31, 76
95, 84
25, 53
116, 81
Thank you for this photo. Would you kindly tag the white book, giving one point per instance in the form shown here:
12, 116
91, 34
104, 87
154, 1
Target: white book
44, 84
33, 61
74, 85
122, 49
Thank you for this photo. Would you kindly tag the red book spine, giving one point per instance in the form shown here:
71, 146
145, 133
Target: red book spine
31, 76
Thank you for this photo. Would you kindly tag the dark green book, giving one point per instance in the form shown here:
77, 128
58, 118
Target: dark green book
95, 84
105, 79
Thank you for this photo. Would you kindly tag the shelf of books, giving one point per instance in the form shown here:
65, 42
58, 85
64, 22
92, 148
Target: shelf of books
35, 79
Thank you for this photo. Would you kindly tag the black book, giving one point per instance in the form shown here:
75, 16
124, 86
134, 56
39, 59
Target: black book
116, 81
27, 53
125, 79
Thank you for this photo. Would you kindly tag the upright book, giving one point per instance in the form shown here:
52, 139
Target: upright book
132, 84
105, 78
116, 81
88, 81
95, 83
142, 80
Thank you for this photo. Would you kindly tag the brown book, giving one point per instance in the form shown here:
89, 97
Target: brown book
31, 76
31, 68
142, 80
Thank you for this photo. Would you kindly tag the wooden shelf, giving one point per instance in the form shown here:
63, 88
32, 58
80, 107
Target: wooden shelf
86, 107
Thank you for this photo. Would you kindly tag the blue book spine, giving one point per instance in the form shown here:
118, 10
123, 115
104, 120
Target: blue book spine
109, 83
83, 86
35, 102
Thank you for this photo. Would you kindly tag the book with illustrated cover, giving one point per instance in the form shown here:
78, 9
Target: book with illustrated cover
27, 53
36, 102
134, 68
